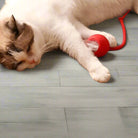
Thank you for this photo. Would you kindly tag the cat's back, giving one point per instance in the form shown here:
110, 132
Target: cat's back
36, 8
20, 7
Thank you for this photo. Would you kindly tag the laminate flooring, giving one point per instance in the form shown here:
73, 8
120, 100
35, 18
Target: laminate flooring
58, 99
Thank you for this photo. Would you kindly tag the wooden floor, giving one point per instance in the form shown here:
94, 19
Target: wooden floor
58, 99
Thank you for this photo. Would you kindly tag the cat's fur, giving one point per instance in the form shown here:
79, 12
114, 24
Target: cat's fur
29, 28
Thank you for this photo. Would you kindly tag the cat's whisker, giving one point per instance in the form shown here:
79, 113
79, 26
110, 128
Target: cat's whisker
46, 48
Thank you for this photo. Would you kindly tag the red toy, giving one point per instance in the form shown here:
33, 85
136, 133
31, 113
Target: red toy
103, 43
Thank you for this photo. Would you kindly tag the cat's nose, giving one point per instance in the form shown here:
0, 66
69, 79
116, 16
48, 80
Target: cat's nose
33, 61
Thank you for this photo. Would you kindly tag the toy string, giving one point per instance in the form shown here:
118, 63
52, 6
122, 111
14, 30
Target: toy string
121, 19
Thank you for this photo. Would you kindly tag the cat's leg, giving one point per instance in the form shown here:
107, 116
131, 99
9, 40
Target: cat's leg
112, 40
135, 6
72, 43
86, 33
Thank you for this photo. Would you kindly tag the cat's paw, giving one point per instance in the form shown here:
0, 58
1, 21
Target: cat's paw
111, 39
100, 74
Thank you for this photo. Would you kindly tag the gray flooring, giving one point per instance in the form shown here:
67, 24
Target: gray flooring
58, 99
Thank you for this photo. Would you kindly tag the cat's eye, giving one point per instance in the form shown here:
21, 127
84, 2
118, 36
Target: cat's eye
9, 53
20, 63
29, 48
30, 45
14, 48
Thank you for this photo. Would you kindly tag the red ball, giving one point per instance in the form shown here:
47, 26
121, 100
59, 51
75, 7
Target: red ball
103, 44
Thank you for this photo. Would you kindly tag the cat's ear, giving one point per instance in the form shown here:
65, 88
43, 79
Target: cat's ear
25, 38
11, 24
14, 25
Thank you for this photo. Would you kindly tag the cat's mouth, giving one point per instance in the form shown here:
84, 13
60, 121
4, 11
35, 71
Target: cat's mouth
29, 66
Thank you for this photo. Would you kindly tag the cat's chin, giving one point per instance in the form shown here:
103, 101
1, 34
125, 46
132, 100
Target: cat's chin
29, 67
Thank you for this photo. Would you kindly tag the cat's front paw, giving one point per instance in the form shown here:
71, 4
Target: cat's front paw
100, 74
111, 39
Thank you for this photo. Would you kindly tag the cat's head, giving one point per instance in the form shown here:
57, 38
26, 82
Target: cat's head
18, 49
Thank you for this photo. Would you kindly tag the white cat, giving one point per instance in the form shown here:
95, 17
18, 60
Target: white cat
29, 28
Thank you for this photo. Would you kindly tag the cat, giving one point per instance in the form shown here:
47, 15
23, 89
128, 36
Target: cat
30, 28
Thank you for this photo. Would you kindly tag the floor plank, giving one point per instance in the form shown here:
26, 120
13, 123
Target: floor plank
96, 122
130, 120
33, 122
29, 78
36, 97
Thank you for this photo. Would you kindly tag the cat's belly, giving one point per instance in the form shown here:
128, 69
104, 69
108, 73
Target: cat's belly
95, 11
